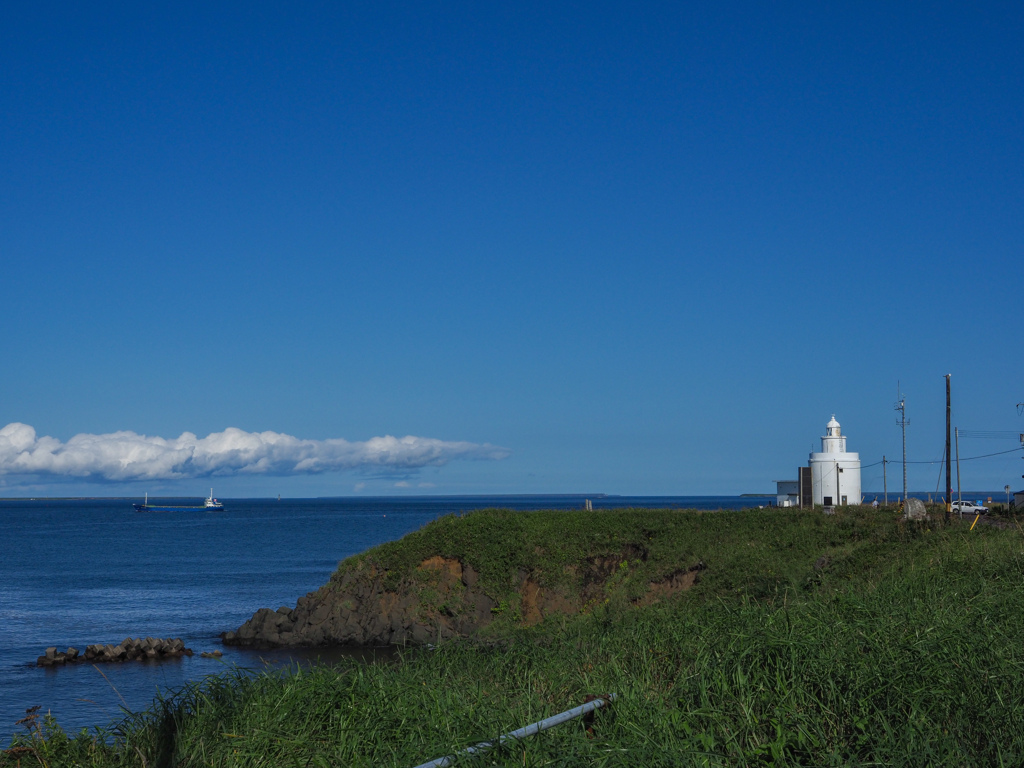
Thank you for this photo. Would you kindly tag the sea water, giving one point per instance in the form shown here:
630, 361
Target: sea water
77, 572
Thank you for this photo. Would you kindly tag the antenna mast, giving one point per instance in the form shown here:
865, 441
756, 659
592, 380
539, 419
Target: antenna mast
901, 406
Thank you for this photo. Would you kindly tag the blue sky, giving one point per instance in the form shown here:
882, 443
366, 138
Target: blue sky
607, 248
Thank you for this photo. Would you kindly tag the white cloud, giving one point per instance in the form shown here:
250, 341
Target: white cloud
126, 455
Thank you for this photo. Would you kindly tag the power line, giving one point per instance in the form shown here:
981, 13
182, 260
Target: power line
939, 461
986, 455
992, 434
939, 478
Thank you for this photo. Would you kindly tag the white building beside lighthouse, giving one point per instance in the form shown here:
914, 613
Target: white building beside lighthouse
835, 472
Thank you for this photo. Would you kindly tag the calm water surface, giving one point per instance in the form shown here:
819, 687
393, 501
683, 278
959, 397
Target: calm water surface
94, 571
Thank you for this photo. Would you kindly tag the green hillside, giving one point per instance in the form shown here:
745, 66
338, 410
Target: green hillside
800, 639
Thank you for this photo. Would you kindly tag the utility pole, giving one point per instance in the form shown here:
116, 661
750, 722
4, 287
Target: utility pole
949, 480
901, 406
885, 484
959, 495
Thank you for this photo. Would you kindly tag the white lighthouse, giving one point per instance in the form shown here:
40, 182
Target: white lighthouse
835, 473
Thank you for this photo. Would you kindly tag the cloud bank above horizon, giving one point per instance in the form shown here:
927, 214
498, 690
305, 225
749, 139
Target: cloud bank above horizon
127, 456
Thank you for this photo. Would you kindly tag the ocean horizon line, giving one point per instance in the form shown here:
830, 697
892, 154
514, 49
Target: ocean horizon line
865, 494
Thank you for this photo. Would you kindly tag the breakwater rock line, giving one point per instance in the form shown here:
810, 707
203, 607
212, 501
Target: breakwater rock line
129, 649
440, 600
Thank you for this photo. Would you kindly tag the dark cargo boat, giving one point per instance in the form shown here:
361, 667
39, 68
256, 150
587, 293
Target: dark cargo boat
211, 505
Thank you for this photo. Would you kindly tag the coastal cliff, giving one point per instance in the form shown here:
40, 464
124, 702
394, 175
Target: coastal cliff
441, 601
487, 572
358, 609
458, 576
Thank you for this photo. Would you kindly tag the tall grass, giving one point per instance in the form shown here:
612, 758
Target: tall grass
919, 662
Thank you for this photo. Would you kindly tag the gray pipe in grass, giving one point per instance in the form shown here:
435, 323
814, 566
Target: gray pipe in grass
526, 730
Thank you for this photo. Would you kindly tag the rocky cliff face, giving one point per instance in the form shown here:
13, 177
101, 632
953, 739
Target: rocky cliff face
442, 599
359, 610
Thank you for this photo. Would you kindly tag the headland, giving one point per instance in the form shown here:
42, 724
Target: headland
779, 636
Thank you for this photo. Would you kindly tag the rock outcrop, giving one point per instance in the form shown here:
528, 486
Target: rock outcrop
129, 649
359, 610
442, 599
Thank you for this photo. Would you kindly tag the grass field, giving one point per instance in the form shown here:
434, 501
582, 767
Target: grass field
856, 639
